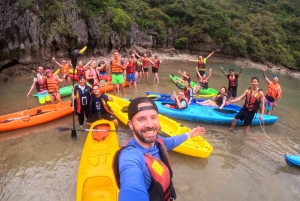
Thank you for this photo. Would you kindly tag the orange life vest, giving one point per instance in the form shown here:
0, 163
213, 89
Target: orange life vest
41, 84
52, 85
114, 65
272, 91
64, 69
252, 103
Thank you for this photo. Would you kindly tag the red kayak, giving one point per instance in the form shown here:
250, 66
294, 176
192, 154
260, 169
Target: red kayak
102, 77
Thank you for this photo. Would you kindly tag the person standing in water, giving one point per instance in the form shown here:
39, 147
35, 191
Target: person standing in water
40, 82
155, 66
201, 63
273, 94
233, 81
254, 100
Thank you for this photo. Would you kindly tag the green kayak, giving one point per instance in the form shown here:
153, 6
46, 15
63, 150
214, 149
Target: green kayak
64, 91
208, 91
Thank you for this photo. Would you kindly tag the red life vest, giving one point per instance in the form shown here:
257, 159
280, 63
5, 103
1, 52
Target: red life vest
138, 65
187, 93
145, 61
161, 188
201, 64
130, 68
156, 63
272, 92
251, 102
232, 81
41, 84
80, 71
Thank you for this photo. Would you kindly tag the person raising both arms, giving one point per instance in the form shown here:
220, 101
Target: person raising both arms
99, 108
64, 70
254, 100
117, 66
219, 100
146, 62
81, 69
53, 87
40, 83
233, 81
82, 93
155, 67
201, 63
136, 164
203, 82
273, 94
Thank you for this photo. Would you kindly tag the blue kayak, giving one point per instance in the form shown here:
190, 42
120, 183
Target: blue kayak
208, 114
167, 98
292, 160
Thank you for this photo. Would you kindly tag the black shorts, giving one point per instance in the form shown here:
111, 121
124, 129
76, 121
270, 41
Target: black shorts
97, 116
245, 115
154, 70
232, 91
145, 69
201, 73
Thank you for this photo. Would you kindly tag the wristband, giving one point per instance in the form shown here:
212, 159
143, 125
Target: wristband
188, 135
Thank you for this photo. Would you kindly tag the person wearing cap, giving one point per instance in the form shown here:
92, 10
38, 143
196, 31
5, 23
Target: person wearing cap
273, 94
254, 100
64, 70
233, 81
201, 63
142, 167
99, 108
156, 62
203, 81
52, 86
40, 82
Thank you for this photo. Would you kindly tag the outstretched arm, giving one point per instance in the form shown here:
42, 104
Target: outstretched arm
53, 58
210, 70
191, 60
239, 98
210, 54
265, 76
240, 70
221, 67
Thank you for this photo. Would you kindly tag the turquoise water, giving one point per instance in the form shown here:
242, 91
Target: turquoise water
38, 163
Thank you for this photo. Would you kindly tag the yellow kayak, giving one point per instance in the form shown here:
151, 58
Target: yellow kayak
95, 179
196, 146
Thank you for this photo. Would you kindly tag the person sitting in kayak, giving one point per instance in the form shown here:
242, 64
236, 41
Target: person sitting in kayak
219, 100
233, 81
99, 108
52, 86
203, 82
185, 76
188, 91
180, 101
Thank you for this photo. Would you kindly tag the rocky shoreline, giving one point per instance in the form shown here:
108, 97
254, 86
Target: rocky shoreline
23, 71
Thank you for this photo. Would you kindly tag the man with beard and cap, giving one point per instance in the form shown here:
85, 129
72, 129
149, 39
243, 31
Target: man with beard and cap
142, 167
254, 100
273, 93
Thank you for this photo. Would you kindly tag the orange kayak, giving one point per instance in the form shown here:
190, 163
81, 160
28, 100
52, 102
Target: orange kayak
34, 116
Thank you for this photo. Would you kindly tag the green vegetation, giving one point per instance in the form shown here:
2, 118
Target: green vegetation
262, 30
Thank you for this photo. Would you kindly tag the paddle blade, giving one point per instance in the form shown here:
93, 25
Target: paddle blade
74, 55
74, 135
62, 129
83, 49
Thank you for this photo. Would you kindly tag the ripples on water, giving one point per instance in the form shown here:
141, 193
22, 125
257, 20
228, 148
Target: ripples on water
39, 164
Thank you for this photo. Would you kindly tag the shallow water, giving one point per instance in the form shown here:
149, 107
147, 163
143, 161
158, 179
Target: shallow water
38, 163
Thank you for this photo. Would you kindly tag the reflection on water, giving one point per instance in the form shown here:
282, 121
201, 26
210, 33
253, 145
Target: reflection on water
39, 164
